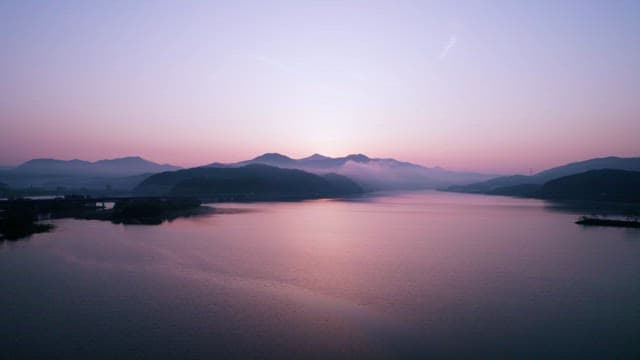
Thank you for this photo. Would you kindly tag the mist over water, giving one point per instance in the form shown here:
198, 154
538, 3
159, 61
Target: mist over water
415, 274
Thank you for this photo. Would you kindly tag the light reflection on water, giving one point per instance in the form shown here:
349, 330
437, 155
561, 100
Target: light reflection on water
401, 274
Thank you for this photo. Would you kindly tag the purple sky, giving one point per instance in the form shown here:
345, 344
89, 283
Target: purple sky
489, 86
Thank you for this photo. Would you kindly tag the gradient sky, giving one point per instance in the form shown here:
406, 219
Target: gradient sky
502, 86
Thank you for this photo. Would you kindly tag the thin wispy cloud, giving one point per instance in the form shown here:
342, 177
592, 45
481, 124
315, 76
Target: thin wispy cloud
448, 46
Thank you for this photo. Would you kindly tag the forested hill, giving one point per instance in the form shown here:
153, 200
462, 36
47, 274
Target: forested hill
251, 182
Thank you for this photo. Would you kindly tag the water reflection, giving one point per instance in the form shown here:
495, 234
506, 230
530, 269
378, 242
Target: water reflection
396, 275
594, 208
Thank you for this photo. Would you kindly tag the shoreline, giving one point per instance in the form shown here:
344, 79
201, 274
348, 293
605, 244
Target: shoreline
588, 221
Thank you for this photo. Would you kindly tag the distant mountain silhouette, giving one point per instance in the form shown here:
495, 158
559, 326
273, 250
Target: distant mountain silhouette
249, 182
315, 157
507, 184
370, 173
612, 162
116, 174
314, 161
126, 166
272, 158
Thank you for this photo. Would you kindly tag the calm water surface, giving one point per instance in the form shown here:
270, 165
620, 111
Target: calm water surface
425, 275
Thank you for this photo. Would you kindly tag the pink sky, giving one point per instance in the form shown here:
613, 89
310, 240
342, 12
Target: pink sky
501, 88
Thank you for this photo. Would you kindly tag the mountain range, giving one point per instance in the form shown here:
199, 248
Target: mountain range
122, 173
371, 173
521, 184
126, 166
320, 174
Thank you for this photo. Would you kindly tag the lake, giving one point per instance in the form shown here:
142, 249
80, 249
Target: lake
422, 274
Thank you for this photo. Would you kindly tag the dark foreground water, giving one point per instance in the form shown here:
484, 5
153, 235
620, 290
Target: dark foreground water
429, 275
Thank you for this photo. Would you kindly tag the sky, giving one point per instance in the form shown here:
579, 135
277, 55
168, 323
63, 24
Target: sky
489, 86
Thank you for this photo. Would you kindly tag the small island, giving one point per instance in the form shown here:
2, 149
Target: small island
150, 211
